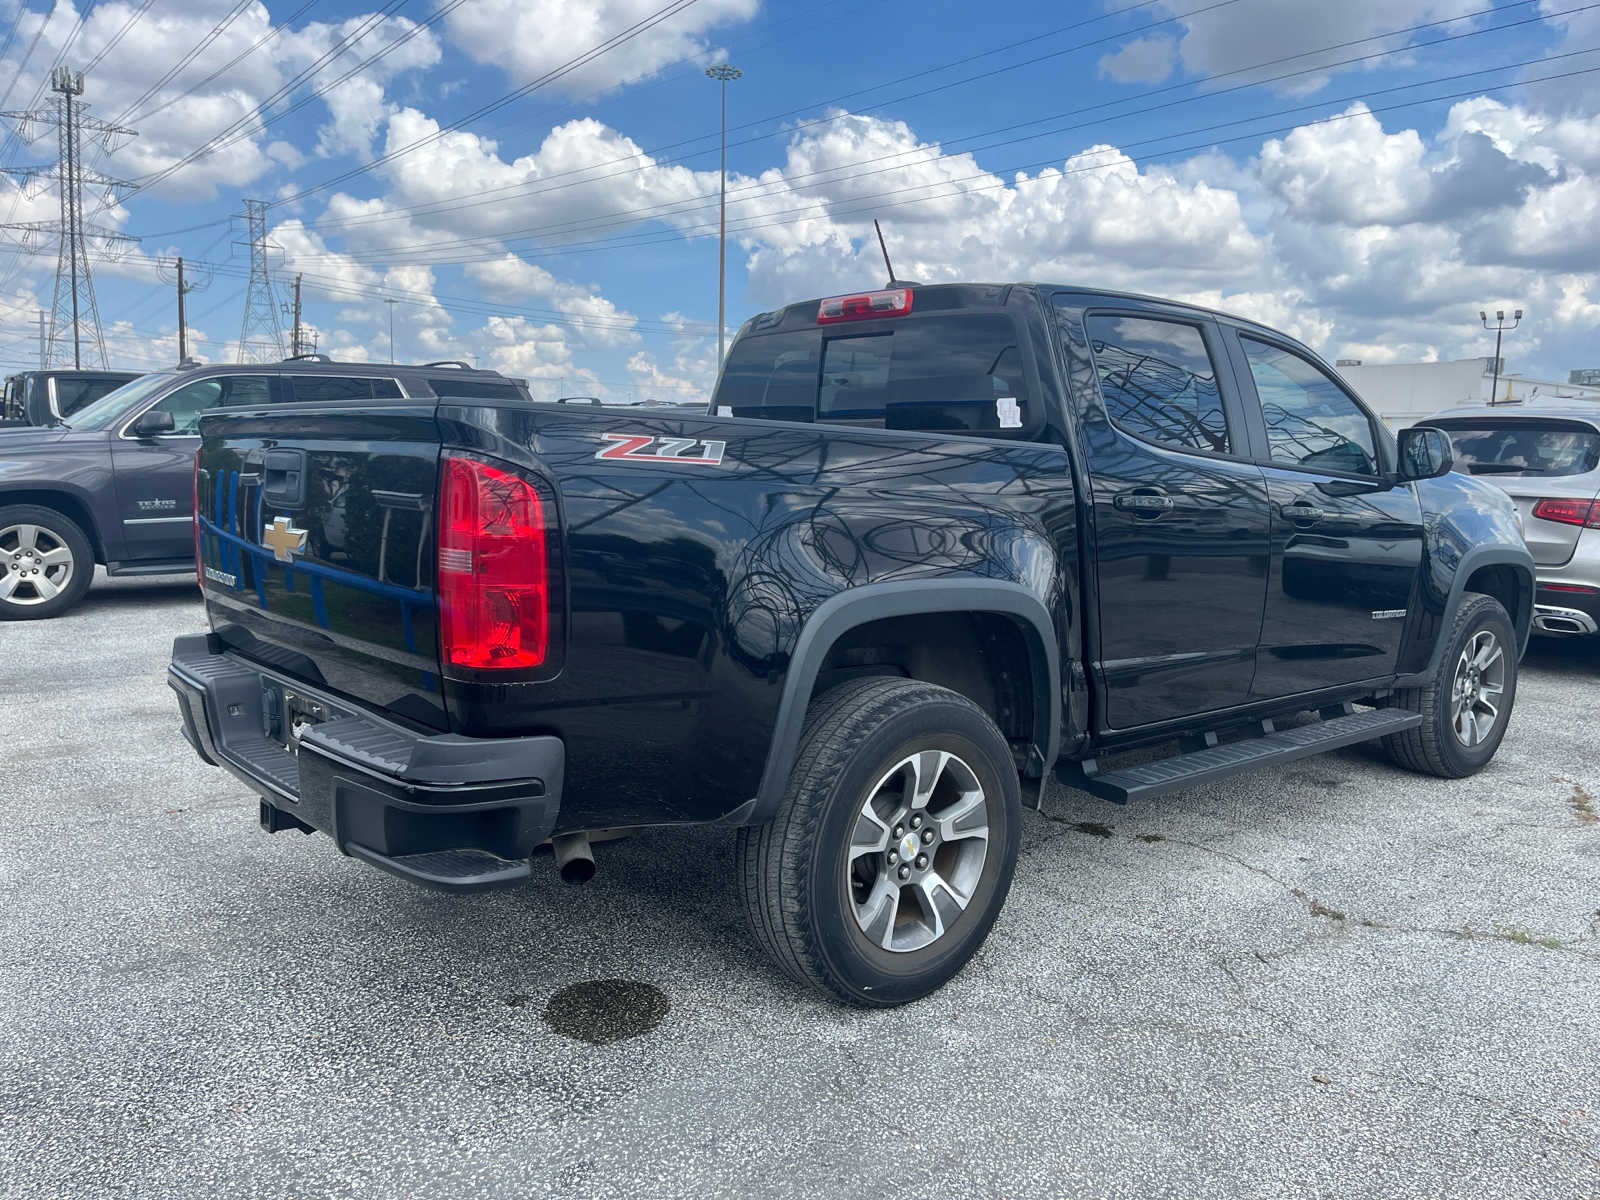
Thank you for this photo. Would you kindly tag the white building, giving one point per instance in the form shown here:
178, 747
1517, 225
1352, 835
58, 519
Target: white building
1404, 393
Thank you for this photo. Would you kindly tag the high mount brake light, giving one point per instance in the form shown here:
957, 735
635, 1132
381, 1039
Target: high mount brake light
894, 302
1569, 512
494, 569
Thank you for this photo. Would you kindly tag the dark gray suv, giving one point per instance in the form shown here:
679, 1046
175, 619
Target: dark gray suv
113, 483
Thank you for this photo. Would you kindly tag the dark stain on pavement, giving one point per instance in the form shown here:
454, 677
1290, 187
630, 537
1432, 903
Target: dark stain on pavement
1094, 828
602, 1011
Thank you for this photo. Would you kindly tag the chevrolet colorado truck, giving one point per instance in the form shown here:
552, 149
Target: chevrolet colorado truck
925, 546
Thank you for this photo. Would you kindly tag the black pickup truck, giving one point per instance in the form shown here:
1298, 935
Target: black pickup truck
927, 545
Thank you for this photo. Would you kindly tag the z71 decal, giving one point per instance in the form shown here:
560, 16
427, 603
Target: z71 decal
645, 447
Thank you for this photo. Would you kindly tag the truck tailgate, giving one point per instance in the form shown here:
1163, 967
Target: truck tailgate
316, 544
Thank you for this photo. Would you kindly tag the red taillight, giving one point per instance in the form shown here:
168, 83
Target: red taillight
194, 483
1582, 589
895, 302
494, 576
1569, 512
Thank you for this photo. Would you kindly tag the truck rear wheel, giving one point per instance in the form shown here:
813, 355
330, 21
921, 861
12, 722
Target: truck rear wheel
893, 848
46, 563
1466, 705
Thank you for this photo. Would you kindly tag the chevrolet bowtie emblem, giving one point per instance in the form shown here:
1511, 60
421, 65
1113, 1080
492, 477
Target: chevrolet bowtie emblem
283, 539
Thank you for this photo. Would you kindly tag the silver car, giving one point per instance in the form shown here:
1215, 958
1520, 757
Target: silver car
1548, 460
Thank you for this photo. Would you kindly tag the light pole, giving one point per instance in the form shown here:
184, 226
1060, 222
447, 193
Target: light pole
723, 73
391, 304
1499, 328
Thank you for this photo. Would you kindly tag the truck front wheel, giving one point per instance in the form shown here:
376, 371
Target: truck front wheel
1466, 705
46, 563
893, 848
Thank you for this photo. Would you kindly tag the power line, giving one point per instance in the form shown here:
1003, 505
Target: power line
133, 19
571, 65
536, 188
233, 62
242, 129
987, 181
833, 175
215, 32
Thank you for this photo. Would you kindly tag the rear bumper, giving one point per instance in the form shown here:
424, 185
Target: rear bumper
455, 813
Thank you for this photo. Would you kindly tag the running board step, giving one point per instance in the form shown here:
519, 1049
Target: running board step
448, 870
1219, 762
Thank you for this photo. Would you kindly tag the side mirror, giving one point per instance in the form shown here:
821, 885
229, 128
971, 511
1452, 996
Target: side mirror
150, 424
1425, 454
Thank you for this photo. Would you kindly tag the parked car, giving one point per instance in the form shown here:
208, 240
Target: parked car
1547, 459
112, 483
947, 539
47, 397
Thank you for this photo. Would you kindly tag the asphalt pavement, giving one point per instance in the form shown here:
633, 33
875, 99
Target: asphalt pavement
1331, 979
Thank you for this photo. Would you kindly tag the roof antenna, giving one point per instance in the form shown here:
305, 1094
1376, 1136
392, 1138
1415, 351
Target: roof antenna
885, 249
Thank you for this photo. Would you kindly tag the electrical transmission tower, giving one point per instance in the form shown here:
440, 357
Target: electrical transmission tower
74, 315
260, 333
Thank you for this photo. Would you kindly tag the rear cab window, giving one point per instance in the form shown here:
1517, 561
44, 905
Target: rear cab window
962, 372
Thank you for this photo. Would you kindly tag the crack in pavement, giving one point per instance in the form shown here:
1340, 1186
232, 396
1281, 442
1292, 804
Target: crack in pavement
1317, 908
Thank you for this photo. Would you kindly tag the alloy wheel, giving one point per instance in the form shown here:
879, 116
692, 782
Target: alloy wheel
35, 564
917, 851
1480, 680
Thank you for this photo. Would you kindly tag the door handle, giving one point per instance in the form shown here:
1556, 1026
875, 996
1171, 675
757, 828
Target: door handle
1148, 505
1302, 513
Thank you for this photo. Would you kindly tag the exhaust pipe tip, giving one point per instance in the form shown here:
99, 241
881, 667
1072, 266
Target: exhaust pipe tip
574, 858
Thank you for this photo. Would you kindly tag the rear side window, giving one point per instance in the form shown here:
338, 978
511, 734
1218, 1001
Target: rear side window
1311, 420
1527, 449
962, 373
474, 389
1159, 382
330, 389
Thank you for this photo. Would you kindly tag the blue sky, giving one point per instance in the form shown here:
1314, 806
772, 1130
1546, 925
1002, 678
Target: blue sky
1267, 156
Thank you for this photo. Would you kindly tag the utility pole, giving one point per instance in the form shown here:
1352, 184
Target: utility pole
295, 345
1499, 328
74, 315
391, 304
724, 74
260, 335
186, 283
42, 362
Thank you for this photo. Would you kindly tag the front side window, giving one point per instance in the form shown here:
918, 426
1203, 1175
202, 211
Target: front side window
1159, 382
1311, 420
963, 373
189, 402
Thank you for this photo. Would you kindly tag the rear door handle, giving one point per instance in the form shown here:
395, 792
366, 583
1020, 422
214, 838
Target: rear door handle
1149, 505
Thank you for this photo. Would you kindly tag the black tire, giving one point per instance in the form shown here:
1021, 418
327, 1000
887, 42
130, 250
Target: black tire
1435, 747
801, 884
22, 599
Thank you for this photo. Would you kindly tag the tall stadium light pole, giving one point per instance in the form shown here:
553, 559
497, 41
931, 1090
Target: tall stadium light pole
1499, 328
723, 73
